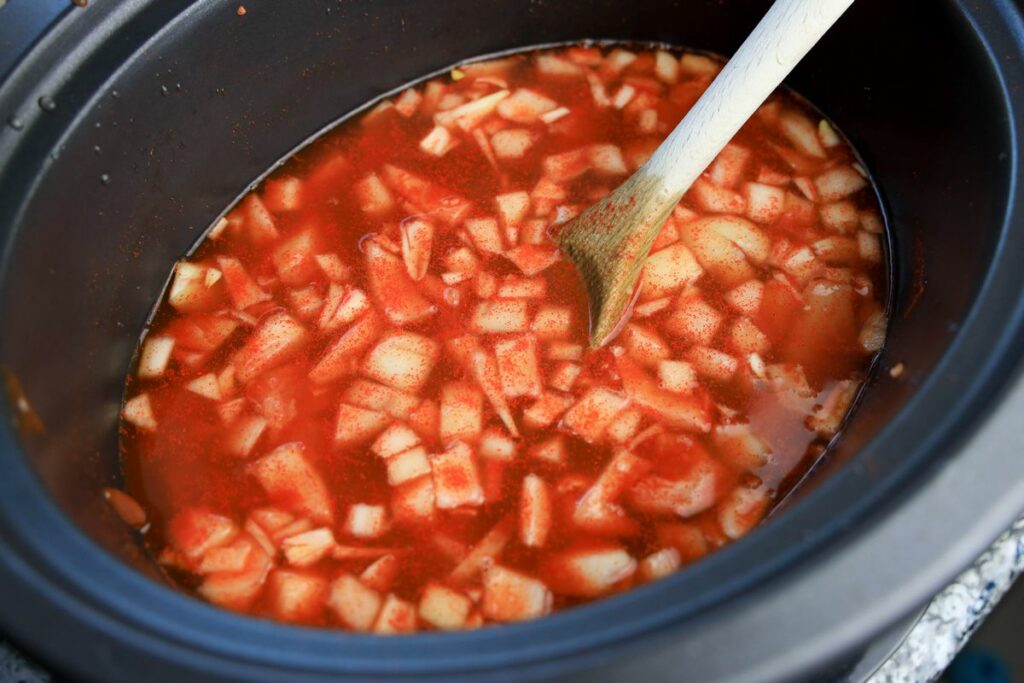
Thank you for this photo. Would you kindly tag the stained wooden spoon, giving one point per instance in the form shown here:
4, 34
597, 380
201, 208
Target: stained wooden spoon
610, 241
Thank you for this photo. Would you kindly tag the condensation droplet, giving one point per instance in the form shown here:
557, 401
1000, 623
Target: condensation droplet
96, 149
46, 103
15, 123
163, 90
105, 178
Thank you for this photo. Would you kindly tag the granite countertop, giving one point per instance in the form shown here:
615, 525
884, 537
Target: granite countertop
923, 654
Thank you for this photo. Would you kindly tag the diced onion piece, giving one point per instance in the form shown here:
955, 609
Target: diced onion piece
868, 247
552, 322
535, 511
740, 447
237, 589
485, 370
525, 106
408, 465
829, 136
742, 510
497, 445
872, 334
552, 66
296, 596
545, 410
340, 358
413, 501
417, 241
373, 195
513, 208
678, 376
727, 168
682, 412
669, 270
283, 194
438, 142
395, 292
396, 616
518, 366
275, 340
366, 521
461, 411
607, 158
512, 143
242, 289
841, 216
802, 133
564, 375
485, 235
195, 531
408, 102
551, 451
687, 495
712, 363
456, 480
619, 59
666, 67
374, 396
555, 115
469, 115
764, 202
308, 548
566, 166
498, 317
659, 564
827, 419
644, 344
625, 425
395, 439
354, 604
486, 551
381, 573
243, 435
596, 507
512, 596
587, 572
139, 412
444, 608
286, 474
839, 182
403, 361
156, 354
694, 321
623, 96
693, 64
563, 350
590, 416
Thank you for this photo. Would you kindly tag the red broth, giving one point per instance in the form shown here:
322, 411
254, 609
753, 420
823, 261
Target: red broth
366, 400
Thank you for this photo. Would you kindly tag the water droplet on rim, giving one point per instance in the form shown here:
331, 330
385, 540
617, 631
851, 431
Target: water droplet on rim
163, 90
15, 123
46, 103
105, 179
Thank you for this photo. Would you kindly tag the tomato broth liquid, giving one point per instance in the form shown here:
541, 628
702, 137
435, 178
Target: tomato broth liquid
367, 401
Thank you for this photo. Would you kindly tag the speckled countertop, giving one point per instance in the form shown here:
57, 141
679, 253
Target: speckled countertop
924, 653
956, 612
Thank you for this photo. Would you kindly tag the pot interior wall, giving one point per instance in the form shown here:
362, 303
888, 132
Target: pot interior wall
196, 112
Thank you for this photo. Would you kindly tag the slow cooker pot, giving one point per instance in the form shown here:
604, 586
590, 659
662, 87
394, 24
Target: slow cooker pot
131, 124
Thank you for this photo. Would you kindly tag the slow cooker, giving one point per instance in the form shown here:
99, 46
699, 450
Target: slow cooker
129, 125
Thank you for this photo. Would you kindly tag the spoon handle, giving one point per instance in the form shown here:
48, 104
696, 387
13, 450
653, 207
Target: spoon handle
786, 33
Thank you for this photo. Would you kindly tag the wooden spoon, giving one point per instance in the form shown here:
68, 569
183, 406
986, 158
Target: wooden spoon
610, 241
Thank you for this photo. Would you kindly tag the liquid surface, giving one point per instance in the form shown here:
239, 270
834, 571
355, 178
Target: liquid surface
366, 401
